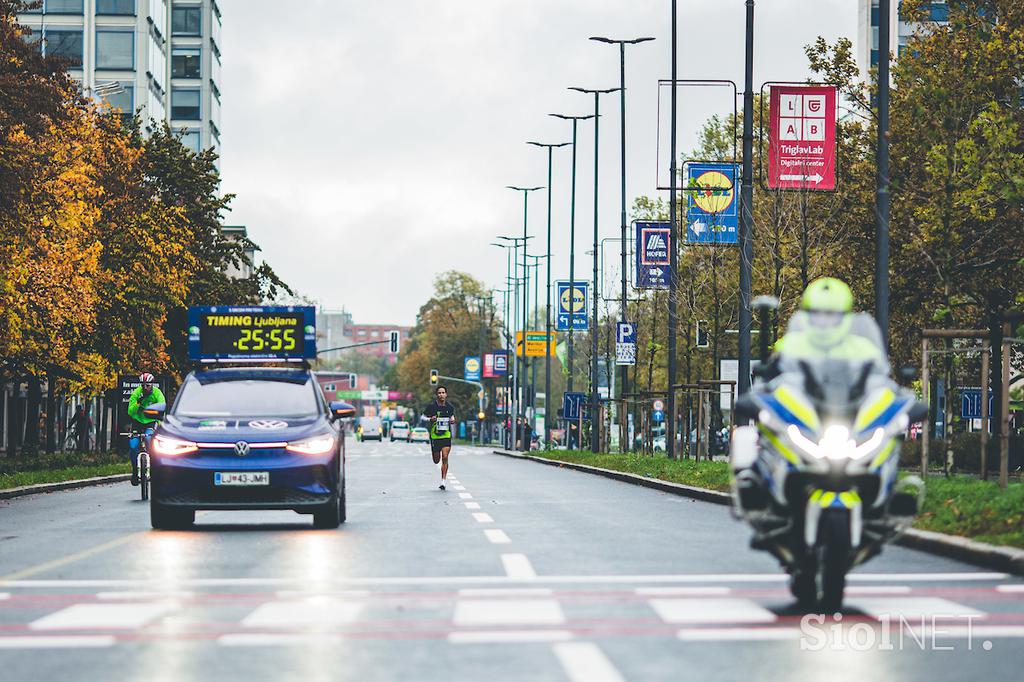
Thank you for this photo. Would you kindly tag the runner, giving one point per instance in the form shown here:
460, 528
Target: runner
441, 417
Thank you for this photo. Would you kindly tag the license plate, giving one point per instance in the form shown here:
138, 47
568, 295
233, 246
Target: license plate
241, 478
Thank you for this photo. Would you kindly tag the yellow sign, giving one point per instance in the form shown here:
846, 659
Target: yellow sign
716, 192
578, 301
535, 344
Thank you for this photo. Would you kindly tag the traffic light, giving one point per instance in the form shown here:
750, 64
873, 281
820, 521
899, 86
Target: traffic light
480, 415
393, 347
353, 379
702, 334
433, 377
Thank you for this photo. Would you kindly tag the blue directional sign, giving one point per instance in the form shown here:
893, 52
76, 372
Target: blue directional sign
471, 368
712, 206
625, 343
653, 240
573, 405
658, 415
970, 403
572, 307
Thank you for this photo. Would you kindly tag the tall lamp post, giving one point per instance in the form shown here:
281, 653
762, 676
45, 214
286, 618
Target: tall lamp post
507, 291
624, 370
882, 199
747, 206
547, 300
595, 402
514, 281
673, 314
572, 239
533, 325
526, 281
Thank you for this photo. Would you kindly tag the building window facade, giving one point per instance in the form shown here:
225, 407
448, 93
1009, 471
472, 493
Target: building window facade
123, 7
61, 7
187, 21
65, 43
115, 49
186, 62
191, 138
185, 104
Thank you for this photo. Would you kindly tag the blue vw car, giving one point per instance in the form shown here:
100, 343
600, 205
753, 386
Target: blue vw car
249, 438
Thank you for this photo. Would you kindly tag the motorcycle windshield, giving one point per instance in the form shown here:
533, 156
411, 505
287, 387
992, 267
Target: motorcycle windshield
835, 354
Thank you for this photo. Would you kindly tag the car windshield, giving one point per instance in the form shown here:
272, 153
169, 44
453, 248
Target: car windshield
246, 398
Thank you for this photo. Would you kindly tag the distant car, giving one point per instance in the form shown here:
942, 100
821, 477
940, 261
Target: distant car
399, 431
419, 435
370, 428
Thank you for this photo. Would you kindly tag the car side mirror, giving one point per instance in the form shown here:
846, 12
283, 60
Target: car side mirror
342, 410
907, 373
155, 411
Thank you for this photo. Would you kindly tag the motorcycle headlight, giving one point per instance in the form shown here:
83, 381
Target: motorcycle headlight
172, 447
835, 443
315, 445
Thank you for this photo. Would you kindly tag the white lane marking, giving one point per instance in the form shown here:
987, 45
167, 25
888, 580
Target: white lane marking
5, 595
506, 592
518, 566
497, 536
717, 578
262, 639
914, 607
58, 642
508, 636
458, 487
472, 505
102, 616
117, 596
878, 589
1011, 589
924, 577
312, 612
737, 634
300, 594
711, 611
483, 517
466, 496
489, 612
585, 662
683, 591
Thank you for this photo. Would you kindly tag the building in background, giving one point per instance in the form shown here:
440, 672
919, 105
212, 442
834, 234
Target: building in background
244, 270
160, 57
336, 328
899, 30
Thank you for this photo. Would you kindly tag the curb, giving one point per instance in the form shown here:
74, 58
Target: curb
38, 488
1003, 559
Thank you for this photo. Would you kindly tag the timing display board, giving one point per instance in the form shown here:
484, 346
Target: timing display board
252, 333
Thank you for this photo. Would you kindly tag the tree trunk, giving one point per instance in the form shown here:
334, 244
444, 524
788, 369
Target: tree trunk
32, 404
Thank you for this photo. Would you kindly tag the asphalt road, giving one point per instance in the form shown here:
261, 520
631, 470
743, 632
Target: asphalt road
519, 571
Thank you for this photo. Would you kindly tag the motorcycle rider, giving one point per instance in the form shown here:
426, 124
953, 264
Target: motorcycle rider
828, 303
146, 394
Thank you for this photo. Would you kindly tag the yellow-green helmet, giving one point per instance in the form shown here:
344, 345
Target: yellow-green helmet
827, 295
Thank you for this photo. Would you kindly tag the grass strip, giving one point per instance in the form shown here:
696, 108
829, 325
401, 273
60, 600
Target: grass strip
710, 475
74, 473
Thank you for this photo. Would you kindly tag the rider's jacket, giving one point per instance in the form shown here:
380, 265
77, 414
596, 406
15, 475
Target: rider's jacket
137, 401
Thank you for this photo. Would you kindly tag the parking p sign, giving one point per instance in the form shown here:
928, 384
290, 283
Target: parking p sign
625, 343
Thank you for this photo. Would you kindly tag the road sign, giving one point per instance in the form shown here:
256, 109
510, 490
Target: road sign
500, 363
658, 416
573, 404
653, 241
488, 366
625, 343
576, 309
471, 368
712, 208
535, 344
374, 395
659, 405
802, 137
970, 403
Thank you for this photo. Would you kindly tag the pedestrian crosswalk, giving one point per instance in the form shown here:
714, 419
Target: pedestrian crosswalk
34, 618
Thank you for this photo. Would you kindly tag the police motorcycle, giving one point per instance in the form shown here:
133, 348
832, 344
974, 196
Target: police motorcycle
815, 470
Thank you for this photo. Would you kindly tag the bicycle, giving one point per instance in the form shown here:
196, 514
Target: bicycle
143, 460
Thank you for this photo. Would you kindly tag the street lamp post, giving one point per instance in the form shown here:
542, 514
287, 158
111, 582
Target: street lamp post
747, 206
572, 238
595, 402
547, 301
505, 323
882, 199
673, 315
536, 302
526, 281
514, 281
624, 378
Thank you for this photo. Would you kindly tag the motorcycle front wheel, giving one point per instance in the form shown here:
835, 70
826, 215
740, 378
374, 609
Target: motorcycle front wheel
833, 561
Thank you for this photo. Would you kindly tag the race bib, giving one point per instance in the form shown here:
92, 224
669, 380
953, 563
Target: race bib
442, 424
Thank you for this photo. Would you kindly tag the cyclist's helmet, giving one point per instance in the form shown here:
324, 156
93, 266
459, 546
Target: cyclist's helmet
828, 303
147, 380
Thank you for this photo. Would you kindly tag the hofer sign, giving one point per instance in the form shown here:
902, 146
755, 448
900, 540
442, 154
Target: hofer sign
802, 138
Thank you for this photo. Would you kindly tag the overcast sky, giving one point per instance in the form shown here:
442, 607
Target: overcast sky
370, 142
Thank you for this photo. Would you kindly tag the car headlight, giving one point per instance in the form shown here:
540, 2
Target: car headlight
835, 443
172, 447
314, 445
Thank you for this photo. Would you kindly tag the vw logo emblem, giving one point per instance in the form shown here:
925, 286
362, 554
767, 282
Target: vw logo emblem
241, 448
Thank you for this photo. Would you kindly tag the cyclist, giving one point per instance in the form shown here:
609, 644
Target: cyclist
148, 393
441, 415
